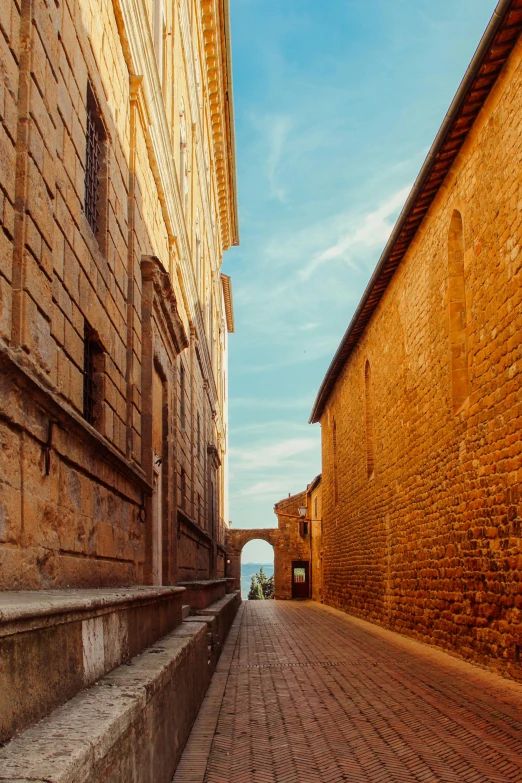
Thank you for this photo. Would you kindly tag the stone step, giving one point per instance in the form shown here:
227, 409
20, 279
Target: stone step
203, 592
53, 643
223, 611
130, 727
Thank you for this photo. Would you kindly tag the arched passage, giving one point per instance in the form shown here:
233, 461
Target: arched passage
236, 540
255, 554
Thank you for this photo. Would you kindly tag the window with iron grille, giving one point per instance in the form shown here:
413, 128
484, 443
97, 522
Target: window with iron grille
93, 373
95, 168
182, 396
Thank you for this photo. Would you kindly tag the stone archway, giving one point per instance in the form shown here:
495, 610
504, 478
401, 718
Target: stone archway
290, 541
236, 540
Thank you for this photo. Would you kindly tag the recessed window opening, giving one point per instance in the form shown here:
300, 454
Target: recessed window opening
93, 369
95, 167
182, 411
198, 436
370, 446
457, 313
335, 471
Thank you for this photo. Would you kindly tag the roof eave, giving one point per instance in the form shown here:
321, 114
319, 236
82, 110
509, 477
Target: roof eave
351, 337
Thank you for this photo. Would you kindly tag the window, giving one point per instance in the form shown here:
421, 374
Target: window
93, 377
370, 448
315, 507
199, 510
335, 476
198, 437
95, 168
182, 414
457, 313
183, 489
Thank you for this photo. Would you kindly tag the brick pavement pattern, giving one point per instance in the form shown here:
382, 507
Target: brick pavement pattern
306, 694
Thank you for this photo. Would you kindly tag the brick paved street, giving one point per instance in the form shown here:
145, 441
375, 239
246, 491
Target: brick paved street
306, 694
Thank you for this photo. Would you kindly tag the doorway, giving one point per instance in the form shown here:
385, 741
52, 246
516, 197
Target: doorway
300, 579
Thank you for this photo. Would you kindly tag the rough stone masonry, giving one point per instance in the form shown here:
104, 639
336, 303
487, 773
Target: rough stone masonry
421, 410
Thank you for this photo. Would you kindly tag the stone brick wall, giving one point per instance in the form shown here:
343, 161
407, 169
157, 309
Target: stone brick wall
98, 503
293, 543
422, 456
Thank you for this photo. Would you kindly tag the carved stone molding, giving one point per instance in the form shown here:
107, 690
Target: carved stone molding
217, 60
165, 300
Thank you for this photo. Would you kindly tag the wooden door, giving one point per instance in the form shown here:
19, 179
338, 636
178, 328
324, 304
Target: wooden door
300, 579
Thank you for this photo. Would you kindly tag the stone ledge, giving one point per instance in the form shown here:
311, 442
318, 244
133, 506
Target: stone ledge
54, 643
30, 609
128, 728
202, 584
203, 592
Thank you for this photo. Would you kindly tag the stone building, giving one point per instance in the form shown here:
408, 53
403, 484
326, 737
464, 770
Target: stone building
420, 409
117, 201
297, 543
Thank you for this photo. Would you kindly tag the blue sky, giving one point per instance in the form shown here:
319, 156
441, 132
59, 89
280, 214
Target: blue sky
336, 105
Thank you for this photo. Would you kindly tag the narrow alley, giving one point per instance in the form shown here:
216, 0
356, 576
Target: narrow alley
306, 694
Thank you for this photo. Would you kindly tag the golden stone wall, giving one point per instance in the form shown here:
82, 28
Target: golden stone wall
92, 504
422, 455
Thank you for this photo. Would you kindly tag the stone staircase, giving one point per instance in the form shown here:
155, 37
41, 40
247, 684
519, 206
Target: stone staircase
103, 685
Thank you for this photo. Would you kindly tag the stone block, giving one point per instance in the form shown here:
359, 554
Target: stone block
56, 642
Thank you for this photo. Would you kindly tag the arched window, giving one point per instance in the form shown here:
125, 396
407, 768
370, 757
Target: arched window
335, 462
457, 313
370, 446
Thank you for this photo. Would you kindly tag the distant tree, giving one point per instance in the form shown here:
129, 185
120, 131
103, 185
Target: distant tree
261, 586
269, 587
256, 591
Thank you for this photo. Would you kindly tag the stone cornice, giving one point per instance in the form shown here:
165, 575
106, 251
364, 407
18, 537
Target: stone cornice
216, 38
